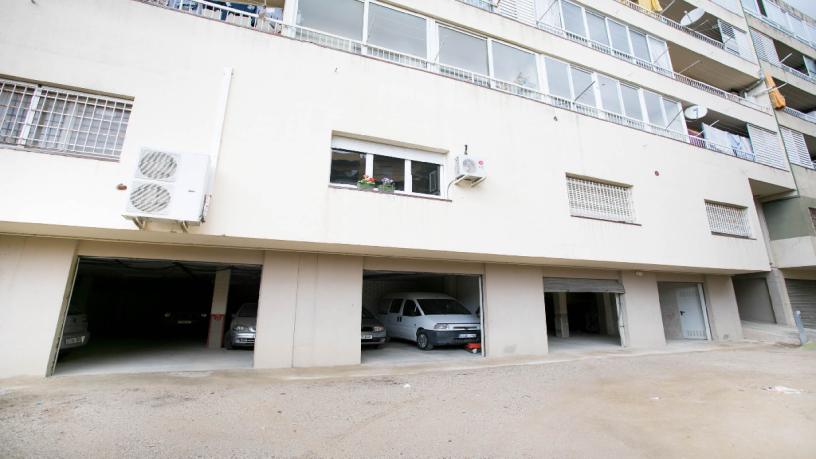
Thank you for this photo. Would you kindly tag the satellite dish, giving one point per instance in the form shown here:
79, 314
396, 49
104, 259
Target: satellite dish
695, 112
691, 17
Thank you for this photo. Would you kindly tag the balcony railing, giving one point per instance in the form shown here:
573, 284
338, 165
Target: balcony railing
767, 21
676, 25
798, 114
274, 27
608, 50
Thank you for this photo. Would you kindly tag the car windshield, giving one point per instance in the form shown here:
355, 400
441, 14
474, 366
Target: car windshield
367, 315
248, 310
439, 306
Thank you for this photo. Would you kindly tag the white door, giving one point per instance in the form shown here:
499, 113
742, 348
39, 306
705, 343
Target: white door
692, 320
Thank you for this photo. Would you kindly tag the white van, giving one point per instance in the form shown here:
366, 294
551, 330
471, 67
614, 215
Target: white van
429, 319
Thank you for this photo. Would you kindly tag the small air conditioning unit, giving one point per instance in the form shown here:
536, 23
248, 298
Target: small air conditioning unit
168, 186
470, 169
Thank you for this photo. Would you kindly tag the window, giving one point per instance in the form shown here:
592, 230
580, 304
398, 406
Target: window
654, 109
514, 65
674, 117
597, 28
60, 120
396, 305
558, 78
609, 94
347, 167
631, 102
548, 13
582, 82
660, 53
619, 37
442, 306
397, 31
410, 309
393, 168
338, 17
728, 219
640, 46
463, 51
425, 178
573, 19
412, 171
604, 201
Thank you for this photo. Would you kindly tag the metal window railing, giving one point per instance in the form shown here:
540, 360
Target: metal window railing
56, 119
593, 199
728, 219
798, 114
355, 47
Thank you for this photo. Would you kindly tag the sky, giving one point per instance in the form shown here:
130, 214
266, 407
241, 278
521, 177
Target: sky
806, 6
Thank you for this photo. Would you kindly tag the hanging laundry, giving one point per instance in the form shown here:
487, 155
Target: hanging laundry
777, 99
651, 5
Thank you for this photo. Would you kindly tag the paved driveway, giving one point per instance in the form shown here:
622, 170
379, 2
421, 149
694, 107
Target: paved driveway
689, 404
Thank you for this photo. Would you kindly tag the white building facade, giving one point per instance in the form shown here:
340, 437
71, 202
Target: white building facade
600, 177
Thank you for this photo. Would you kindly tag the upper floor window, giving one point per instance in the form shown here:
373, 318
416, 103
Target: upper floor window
60, 120
601, 200
728, 219
396, 30
339, 17
463, 50
514, 65
409, 170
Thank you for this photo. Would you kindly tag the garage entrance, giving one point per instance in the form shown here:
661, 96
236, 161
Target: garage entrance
802, 294
684, 311
411, 317
137, 315
583, 314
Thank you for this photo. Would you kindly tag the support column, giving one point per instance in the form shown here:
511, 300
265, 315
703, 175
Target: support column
561, 316
218, 310
780, 301
610, 310
640, 308
723, 314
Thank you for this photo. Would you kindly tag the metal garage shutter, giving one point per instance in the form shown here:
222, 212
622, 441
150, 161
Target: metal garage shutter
802, 294
559, 284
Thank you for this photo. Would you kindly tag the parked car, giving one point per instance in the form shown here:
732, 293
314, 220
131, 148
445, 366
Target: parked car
429, 319
241, 332
372, 332
183, 320
75, 333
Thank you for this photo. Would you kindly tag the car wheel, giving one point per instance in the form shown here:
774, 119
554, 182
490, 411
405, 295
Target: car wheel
423, 341
227, 341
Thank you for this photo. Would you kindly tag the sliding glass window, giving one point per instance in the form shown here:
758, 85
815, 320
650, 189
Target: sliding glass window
640, 46
583, 87
574, 19
609, 94
654, 108
619, 37
337, 17
558, 78
398, 31
514, 65
597, 28
631, 102
462, 50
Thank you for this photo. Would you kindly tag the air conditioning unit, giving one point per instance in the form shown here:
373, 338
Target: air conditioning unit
470, 169
168, 186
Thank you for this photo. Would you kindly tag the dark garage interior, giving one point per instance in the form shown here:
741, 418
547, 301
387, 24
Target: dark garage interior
151, 315
591, 320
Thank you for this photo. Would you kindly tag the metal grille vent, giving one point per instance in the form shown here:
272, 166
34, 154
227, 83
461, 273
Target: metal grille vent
728, 219
157, 165
605, 201
150, 198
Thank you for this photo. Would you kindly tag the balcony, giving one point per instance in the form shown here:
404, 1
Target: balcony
784, 24
686, 59
761, 151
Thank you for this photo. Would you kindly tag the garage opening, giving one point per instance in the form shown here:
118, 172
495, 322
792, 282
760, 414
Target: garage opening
583, 314
754, 300
137, 315
682, 306
411, 317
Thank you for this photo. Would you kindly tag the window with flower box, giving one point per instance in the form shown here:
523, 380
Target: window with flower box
385, 168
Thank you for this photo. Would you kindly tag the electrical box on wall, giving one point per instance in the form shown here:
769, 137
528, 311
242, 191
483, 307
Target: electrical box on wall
168, 186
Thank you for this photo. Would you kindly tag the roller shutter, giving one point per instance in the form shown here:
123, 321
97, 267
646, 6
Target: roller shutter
802, 294
559, 284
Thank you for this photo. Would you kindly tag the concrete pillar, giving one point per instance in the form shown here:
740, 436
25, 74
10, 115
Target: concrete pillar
309, 311
640, 310
780, 301
35, 286
723, 313
218, 310
561, 315
514, 314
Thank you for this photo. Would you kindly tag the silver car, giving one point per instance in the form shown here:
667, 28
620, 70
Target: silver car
372, 332
242, 328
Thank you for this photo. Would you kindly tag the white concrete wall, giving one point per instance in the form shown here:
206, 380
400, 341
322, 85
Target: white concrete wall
34, 289
723, 313
641, 309
514, 314
271, 189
